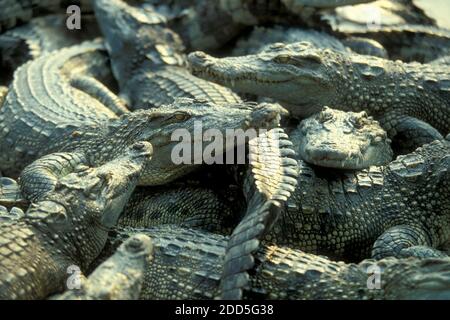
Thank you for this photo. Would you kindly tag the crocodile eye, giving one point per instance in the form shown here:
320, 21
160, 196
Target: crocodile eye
282, 58
325, 116
277, 45
357, 123
181, 116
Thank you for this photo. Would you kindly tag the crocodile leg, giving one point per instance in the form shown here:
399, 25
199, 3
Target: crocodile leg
98, 90
404, 241
41, 177
413, 133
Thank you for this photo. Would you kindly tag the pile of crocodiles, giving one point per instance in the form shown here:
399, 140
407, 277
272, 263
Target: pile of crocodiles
343, 191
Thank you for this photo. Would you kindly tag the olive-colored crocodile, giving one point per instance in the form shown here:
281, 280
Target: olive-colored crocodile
408, 99
67, 226
118, 278
187, 264
148, 61
64, 109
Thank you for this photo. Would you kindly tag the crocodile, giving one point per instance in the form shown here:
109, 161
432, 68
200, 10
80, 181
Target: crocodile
148, 60
209, 25
400, 26
312, 141
345, 140
408, 99
187, 206
39, 36
187, 265
261, 37
67, 227
401, 209
16, 12
11, 194
120, 277
60, 111
398, 210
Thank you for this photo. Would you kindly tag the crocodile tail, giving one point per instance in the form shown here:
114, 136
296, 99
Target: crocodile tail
41, 176
268, 186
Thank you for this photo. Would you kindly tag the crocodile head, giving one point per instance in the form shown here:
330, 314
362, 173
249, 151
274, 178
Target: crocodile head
85, 204
338, 139
183, 130
297, 74
134, 36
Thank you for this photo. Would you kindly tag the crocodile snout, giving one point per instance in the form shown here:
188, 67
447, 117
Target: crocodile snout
199, 58
324, 153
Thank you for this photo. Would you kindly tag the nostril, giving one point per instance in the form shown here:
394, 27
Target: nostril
138, 146
198, 56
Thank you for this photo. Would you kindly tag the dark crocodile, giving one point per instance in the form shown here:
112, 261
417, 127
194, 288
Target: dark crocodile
408, 99
66, 227
120, 277
402, 28
148, 60
39, 36
262, 37
187, 264
63, 109
209, 25
187, 206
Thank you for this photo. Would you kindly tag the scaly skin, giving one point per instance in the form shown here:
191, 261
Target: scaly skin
10, 215
187, 265
39, 36
268, 184
208, 25
410, 43
43, 175
345, 140
15, 12
11, 195
34, 110
188, 206
50, 115
148, 60
403, 29
262, 37
118, 278
158, 126
400, 210
68, 226
400, 96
